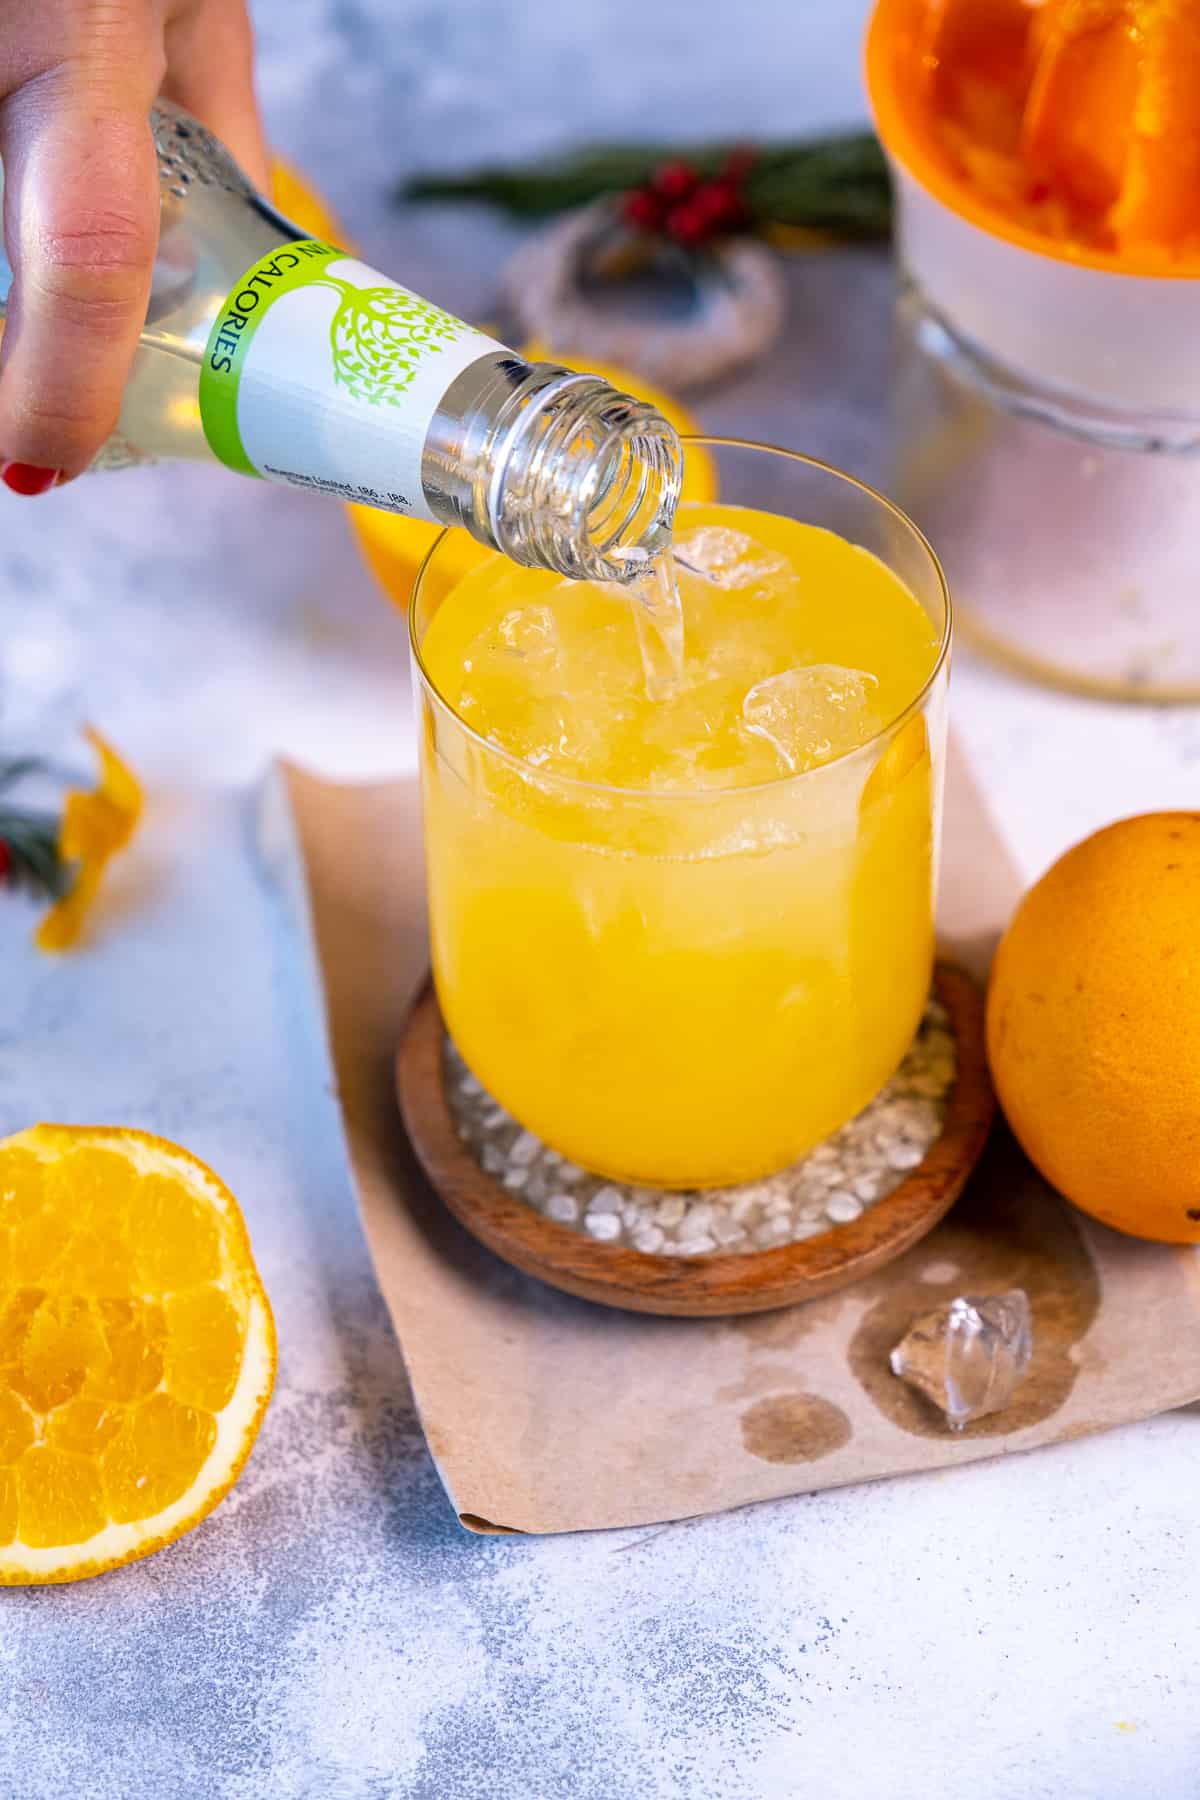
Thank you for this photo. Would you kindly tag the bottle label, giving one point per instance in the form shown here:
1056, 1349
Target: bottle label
322, 373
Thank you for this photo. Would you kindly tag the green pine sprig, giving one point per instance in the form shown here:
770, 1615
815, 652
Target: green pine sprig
837, 184
29, 853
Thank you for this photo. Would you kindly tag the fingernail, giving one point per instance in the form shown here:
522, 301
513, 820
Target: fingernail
23, 478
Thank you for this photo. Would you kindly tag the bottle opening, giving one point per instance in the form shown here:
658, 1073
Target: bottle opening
584, 477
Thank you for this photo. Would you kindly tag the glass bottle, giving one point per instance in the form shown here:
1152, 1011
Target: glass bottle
285, 358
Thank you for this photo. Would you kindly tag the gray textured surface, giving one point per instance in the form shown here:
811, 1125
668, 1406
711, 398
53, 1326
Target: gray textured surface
331, 1632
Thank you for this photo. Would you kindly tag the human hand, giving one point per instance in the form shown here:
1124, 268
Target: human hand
81, 200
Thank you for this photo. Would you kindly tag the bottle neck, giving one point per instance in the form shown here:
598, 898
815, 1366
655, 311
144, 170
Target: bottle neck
555, 469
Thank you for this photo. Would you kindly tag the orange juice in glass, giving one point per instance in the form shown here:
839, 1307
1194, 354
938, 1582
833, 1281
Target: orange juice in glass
681, 868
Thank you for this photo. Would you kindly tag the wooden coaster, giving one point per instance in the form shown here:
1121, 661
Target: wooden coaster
707, 1286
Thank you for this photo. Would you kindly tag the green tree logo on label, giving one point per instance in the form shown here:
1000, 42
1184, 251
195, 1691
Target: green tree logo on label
380, 336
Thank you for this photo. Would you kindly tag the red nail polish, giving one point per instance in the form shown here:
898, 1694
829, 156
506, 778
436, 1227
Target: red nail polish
23, 478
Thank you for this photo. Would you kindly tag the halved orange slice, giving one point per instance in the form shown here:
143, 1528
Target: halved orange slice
1086, 65
137, 1349
1160, 197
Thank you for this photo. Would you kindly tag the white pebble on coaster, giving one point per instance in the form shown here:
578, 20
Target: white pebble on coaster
837, 1182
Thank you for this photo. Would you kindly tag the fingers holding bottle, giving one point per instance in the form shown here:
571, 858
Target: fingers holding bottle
80, 226
210, 73
81, 201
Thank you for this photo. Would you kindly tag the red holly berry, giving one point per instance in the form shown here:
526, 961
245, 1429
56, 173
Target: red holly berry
714, 208
5, 860
738, 164
643, 210
674, 181
723, 202
689, 223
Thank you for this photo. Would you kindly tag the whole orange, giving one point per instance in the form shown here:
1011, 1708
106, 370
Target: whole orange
1093, 1026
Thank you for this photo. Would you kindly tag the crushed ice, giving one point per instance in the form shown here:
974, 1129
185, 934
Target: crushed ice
967, 1357
836, 1183
729, 559
813, 714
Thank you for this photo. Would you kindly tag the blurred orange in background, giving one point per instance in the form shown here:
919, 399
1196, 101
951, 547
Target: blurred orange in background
298, 202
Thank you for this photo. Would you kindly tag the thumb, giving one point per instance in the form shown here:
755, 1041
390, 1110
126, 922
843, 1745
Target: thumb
81, 208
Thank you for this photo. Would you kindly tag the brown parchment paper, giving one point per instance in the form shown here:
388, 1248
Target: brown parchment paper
545, 1413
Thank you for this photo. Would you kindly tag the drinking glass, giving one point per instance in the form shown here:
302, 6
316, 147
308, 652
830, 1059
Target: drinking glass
690, 989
